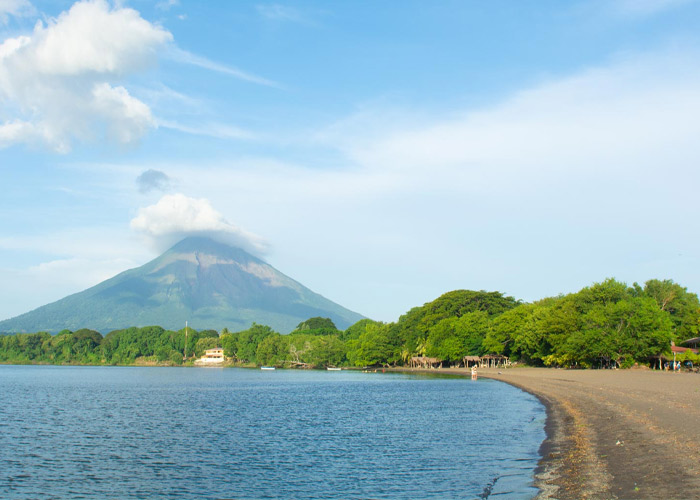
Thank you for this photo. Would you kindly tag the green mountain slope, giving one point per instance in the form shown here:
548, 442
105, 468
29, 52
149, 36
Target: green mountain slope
209, 284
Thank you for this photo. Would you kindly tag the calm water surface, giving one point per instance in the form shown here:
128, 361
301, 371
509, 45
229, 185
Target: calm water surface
107, 432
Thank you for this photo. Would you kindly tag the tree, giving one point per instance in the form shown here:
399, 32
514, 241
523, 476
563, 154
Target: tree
453, 338
413, 327
621, 333
271, 350
358, 328
247, 341
682, 306
317, 326
506, 330
372, 347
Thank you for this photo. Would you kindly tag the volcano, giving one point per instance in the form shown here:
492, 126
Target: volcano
199, 280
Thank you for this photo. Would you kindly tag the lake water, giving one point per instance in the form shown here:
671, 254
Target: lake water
123, 433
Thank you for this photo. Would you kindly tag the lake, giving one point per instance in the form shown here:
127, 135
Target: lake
214, 433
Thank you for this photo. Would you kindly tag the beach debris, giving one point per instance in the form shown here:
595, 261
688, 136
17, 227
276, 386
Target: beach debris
620, 443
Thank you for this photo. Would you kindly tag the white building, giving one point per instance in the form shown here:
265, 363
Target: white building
211, 357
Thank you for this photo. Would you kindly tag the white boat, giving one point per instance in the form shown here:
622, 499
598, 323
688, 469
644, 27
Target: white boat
267, 367
333, 369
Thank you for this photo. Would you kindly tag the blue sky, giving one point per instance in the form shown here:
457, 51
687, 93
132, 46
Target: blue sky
381, 153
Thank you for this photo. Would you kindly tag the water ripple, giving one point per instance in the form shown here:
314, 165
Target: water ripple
126, 433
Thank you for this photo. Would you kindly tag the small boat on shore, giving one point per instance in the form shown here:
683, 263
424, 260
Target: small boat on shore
333, 369
267, 367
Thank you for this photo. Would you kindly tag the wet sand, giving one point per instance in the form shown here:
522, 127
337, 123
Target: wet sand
622, 434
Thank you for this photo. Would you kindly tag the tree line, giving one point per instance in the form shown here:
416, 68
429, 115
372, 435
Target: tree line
603, 325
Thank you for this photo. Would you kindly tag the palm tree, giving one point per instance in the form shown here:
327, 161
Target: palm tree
421, 347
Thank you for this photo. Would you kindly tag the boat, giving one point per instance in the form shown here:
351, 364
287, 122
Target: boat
267, 367
333, 369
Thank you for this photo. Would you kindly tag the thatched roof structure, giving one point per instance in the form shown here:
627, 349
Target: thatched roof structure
424, 362
494, 360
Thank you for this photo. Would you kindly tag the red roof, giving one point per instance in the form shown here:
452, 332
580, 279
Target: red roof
678, 350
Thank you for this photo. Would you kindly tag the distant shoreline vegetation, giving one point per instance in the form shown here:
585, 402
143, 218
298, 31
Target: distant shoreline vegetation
606, 324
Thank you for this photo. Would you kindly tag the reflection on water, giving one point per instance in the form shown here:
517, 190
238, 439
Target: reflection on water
106, 432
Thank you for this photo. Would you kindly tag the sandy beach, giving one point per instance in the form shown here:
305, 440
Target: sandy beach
621, 434
615, 433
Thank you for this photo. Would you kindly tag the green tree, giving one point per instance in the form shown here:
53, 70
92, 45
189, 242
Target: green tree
682, 306
504, 336
270, 350
317, 326
453, 338
247, 342
372, 347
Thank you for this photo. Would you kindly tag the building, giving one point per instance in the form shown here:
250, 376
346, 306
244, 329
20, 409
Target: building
212, 357
693, 343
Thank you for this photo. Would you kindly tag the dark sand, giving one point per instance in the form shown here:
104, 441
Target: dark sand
614, 433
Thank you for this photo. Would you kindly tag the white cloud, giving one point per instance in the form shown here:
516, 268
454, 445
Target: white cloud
216, 130
17, 8
572, 180
127, 118
177, 216
575, 179
167, 4
624, 118
58, 84
92, 37
185, 57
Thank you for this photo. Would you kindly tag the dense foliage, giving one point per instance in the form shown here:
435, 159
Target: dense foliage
606, 324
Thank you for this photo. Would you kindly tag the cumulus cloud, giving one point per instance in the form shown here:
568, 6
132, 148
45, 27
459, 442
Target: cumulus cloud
177, 216
17, 8
59, 83
153, 180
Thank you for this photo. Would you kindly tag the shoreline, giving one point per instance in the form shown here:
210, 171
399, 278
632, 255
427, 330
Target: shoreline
557, 475
623, 434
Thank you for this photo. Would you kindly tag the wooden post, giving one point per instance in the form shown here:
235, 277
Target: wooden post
185, 358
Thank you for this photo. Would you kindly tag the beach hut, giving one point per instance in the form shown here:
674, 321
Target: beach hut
425, 362
494, 361
470, 361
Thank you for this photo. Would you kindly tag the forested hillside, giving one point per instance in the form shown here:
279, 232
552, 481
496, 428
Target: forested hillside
606, 324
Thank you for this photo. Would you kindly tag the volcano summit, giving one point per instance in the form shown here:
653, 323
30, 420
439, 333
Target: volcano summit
209, 284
